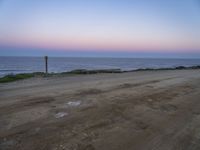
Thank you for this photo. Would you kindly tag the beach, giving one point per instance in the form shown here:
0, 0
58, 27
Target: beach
143, 110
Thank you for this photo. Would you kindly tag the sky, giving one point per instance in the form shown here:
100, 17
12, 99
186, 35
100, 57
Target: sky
113, 28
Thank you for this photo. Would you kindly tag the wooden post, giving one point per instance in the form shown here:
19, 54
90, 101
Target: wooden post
46, 64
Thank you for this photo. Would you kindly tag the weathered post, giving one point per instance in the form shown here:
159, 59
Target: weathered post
46, 64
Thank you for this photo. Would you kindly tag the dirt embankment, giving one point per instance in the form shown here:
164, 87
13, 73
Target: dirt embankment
130, 111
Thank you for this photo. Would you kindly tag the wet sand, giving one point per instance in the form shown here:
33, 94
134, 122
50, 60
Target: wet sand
146, 110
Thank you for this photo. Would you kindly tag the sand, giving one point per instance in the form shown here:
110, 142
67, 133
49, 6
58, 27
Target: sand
146, 110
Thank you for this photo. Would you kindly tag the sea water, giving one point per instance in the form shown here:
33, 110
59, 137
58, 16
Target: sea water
14, 65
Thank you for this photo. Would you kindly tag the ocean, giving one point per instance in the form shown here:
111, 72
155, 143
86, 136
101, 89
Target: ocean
15, 65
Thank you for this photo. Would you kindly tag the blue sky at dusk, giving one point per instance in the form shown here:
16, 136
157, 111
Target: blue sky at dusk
114, 28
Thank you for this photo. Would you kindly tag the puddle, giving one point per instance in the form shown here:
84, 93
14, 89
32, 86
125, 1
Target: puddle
61, 114
76, 103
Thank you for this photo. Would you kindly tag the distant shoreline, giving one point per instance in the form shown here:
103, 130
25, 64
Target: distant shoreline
20, 76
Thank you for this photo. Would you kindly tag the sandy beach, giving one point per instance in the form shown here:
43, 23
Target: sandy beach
145, 110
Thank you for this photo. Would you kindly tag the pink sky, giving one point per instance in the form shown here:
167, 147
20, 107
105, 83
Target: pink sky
114, 25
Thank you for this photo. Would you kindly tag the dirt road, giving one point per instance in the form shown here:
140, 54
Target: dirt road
150, 110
